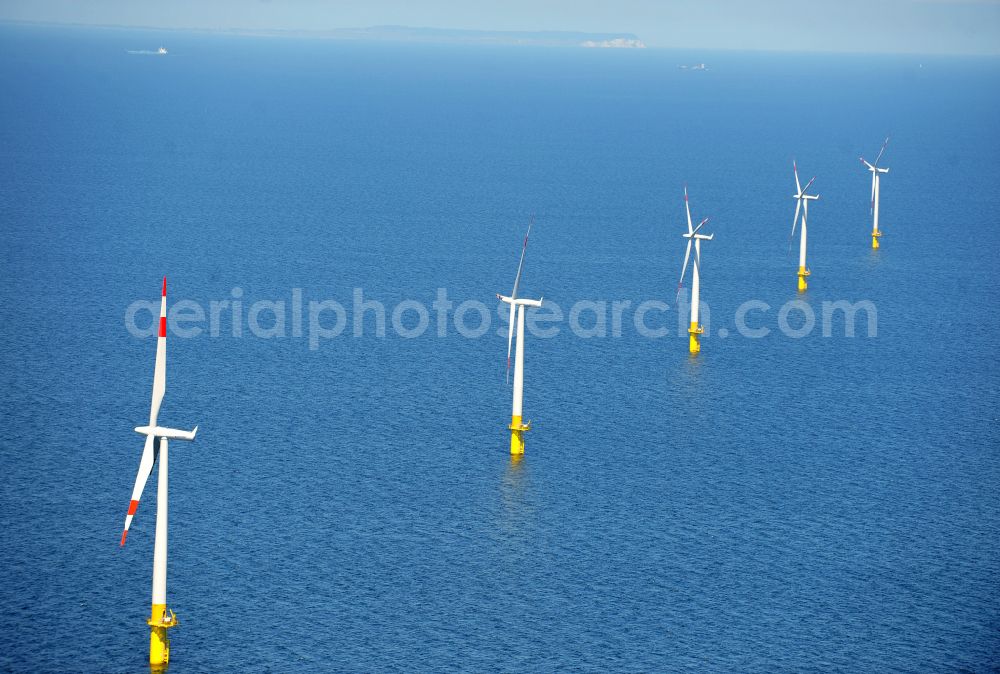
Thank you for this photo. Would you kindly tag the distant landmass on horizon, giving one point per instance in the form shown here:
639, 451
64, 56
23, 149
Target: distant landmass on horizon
548, 38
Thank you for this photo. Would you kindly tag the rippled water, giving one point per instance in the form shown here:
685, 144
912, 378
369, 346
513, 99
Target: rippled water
775, 504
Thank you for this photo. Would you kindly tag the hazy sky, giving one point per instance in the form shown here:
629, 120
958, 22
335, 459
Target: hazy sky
914, 26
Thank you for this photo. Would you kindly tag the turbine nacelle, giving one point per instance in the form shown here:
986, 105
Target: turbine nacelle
162, 432
519, 300
873, 169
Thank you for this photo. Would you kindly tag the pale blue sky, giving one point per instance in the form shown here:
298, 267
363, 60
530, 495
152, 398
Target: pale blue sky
897, 26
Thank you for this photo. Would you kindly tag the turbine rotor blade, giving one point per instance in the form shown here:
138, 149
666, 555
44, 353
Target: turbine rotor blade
510, 338
145, 468
795, 170
795, 221
520, 265
687, 207
160, 370
803, 191
700, 225
874, 178
687, 255
881, 151
513, 295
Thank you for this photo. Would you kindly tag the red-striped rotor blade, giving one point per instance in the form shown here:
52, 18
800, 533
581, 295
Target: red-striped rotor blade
160, 370
145, 468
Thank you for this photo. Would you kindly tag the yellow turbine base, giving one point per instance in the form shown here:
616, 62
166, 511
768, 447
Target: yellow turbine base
160, 620
803, 272
876, 235
517, 431
695, 331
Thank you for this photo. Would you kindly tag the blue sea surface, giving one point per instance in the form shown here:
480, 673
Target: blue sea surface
775, 504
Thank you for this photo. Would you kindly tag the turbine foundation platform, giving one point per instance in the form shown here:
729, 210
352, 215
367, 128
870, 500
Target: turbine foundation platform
159, 622
876, 235
803, 273
695, 344
517, 431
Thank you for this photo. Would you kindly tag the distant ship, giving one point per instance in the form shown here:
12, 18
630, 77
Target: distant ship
162, 51
700, 66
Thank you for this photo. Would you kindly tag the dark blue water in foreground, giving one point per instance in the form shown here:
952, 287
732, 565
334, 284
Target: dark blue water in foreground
775, 504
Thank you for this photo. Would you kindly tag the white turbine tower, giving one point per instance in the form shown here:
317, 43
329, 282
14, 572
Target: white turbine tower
876, 179
160, 618
801, 203
517, 427
695, 238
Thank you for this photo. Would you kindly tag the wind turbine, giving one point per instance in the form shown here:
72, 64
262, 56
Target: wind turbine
695, 238
876, 179
161, 618
517, 427
801, 203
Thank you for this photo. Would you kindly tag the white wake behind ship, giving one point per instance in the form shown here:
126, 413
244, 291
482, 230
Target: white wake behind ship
162, 51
